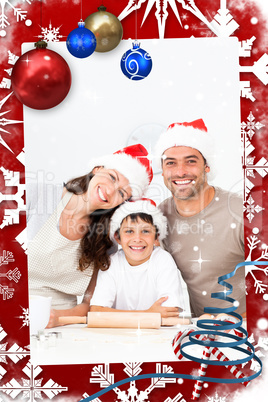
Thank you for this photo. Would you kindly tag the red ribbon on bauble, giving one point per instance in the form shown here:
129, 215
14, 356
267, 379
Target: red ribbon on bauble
41, 78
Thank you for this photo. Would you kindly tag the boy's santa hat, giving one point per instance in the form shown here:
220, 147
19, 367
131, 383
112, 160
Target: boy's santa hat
133, 163
193, 134
143, 205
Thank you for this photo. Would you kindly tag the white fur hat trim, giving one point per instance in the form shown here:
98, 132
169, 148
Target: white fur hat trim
140, 206
129, 167
180, 135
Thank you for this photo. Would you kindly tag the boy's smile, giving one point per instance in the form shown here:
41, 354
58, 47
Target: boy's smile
137, 239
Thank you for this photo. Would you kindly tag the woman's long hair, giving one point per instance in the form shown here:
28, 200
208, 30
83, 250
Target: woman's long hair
96, 242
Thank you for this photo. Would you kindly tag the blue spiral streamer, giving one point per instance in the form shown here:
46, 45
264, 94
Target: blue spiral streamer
218, 326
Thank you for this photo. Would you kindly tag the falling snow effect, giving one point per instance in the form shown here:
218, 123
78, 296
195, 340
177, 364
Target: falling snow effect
32, 387
198, 262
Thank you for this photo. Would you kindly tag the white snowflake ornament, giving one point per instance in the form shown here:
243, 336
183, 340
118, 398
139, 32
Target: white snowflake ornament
50, 34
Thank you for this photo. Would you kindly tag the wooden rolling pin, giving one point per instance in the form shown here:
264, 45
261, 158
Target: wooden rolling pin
122, 320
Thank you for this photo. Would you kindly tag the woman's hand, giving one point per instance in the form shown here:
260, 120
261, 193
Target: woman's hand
80, 310
53, 319
164, 311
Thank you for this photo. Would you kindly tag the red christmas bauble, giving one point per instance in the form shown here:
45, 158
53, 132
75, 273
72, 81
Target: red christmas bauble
41, 78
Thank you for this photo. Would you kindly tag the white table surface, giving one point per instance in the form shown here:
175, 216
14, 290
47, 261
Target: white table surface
78, 344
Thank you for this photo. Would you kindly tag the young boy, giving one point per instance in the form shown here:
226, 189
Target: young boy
142, 277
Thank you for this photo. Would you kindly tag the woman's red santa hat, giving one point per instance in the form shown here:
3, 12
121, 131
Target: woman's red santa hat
144, 205
192, 134
133, 163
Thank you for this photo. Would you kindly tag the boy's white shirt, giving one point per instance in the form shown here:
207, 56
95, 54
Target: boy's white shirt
126, 287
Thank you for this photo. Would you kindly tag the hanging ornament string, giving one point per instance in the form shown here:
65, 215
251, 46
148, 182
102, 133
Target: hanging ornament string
81, 42
41, 13
136, 63
136, 24
41, 78
106, 27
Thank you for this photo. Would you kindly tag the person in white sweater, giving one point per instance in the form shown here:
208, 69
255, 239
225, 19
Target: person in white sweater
72, 245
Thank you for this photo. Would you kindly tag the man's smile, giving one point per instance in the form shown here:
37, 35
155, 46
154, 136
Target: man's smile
183, 182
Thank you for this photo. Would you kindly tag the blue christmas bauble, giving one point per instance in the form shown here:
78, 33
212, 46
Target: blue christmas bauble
81, 42
136, 63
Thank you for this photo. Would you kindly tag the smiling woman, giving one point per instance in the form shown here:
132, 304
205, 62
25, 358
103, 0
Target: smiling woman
65, 254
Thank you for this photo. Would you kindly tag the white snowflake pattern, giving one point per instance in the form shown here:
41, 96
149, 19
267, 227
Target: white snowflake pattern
32, 388
101, 374
18, 13
162, 13
11, 274
252, 243
50, 34
245, 51
177, 398
223, 23
21, 157
251, 209
6, 258
251, 126
24, 317
12, 215
259, 68
6, 291
5, 122
216, 398
6, 82
248, 130
22, 239
14, 353
246, 47
86, 395
261, 344
246, 91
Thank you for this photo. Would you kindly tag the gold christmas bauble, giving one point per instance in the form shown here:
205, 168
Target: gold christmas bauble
106, 27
